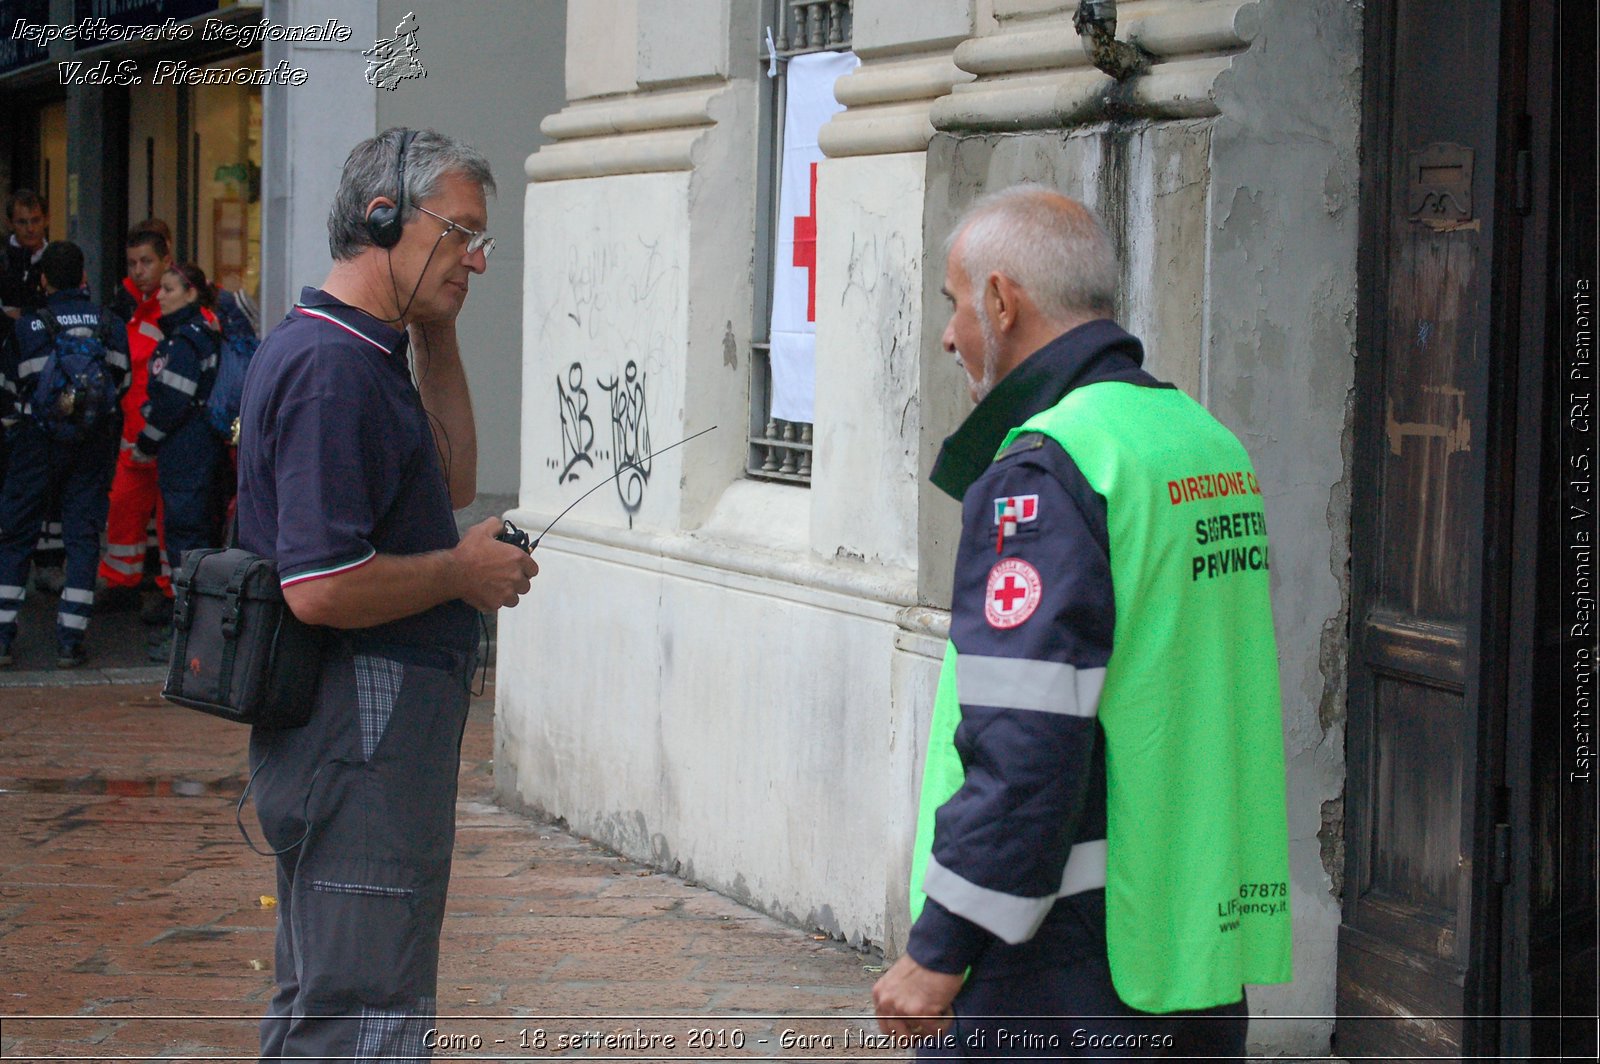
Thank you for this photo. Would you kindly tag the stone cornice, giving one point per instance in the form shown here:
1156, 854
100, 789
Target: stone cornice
1034, 74
886, 105
639, 133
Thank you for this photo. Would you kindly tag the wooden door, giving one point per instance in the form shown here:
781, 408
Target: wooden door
1423, 755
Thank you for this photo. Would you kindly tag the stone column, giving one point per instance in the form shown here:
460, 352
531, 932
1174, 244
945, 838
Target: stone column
723, 701
874, 365
642, 307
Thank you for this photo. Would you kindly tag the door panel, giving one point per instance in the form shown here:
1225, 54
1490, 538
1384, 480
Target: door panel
1417, 808
1428, 427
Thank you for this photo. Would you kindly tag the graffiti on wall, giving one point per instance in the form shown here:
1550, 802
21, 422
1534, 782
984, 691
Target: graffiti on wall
630, 432
577, 430
615, 308
630, 437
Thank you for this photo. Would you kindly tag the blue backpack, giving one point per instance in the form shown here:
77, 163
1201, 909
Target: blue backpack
238, 347
75, 392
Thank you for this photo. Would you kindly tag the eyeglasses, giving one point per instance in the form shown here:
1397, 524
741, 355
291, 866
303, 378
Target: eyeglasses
476, 241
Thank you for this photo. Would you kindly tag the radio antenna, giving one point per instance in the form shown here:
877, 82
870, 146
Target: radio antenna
630, 464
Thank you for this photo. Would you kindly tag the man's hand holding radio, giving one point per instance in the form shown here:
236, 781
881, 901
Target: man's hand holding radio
491, 573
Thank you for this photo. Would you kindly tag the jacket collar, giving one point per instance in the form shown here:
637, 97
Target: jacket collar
33, 256
170, 323
66, 295
376, 332
142, 303
1095, 350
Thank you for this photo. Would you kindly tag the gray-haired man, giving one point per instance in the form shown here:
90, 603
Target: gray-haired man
348, 474
1101, 861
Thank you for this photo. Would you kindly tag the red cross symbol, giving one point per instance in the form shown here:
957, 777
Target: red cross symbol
805, 248
1014, 592
1009, 591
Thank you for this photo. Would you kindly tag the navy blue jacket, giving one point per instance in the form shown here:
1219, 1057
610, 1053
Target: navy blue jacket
182, 370
20, 279
1034, 781
24, 353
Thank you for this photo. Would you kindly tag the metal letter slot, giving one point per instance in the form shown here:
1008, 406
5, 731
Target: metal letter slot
1440, 184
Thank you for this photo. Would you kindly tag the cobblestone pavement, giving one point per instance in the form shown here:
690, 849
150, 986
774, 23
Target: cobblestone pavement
134, 923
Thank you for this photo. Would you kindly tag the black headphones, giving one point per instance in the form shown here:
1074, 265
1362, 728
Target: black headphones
385, 224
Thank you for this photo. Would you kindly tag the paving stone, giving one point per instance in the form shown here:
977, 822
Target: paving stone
196, 951
73, 993
12, 896
642, 996
598, 964
544, 907
781, 998
654, 886
137, 1049
66, 1031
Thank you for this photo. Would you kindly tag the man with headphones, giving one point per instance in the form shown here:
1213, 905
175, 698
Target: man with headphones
356, 443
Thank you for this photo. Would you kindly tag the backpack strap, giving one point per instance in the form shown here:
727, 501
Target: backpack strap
52, 326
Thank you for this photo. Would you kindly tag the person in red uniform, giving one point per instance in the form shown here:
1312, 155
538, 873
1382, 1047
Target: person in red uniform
135, 492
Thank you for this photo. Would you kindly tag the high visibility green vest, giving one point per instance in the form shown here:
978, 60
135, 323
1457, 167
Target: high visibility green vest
1197, 866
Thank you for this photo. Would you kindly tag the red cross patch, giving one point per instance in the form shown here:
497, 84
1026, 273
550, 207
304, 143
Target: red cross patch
1013, 593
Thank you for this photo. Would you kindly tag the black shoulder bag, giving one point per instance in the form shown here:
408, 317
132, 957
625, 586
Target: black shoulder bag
238, 651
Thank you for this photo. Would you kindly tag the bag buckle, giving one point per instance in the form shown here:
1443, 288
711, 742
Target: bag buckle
230, 613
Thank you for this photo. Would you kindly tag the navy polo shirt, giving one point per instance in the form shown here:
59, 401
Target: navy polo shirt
337, 462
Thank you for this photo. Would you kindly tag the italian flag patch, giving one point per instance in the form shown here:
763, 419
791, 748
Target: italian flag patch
1011, 511
1023, 508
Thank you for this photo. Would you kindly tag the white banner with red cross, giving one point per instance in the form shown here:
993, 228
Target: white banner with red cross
810, 103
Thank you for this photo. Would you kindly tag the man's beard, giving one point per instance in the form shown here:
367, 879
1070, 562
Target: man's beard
991, 357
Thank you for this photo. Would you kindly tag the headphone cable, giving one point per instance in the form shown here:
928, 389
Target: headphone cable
395, 286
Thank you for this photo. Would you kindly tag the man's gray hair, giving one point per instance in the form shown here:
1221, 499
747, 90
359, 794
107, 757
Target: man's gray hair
369, 172
1051, 246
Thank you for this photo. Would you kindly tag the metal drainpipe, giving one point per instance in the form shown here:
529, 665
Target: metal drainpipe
1096, 23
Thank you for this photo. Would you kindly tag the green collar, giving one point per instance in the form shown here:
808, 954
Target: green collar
1096, 350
